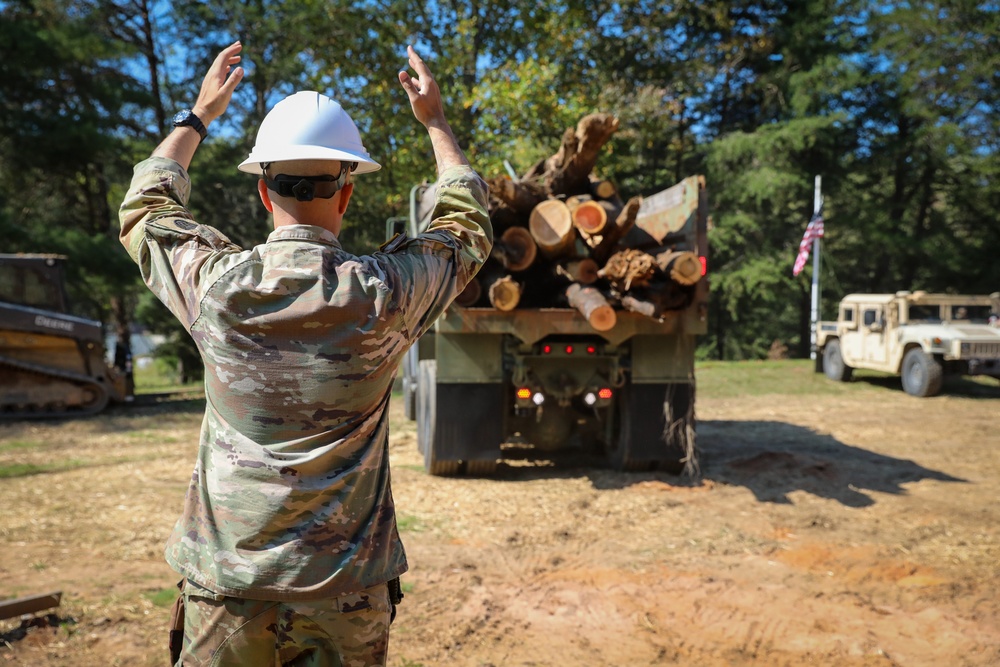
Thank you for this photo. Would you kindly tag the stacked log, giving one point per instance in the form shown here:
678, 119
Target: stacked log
561, 231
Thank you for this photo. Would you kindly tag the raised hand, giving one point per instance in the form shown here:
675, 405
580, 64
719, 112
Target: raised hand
219, 84
423, 91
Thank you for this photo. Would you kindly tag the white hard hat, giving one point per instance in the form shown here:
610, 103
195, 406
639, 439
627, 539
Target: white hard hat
308, 126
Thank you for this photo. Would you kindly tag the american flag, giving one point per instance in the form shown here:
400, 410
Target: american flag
813, 230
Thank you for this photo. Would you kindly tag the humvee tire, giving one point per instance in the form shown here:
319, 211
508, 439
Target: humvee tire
833, 363
922, 374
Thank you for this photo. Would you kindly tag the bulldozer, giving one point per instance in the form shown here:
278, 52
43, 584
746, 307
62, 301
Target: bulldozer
52, 363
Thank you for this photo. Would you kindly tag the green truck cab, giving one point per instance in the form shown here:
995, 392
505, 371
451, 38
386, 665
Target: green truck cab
482, 378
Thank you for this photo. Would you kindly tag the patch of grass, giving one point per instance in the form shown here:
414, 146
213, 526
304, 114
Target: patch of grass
730, 379
411, 466
407, 522
158, 377
407, 586
20, 444
163, 597
11, 470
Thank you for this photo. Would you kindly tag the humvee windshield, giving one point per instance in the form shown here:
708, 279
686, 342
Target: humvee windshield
925, 313
974, 314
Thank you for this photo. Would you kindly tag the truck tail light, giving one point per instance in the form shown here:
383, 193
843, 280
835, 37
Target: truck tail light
599, 399
569, 349
704, 264
547, 349
591, 349
524, 393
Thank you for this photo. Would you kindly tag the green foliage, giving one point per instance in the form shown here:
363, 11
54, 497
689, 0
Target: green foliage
894, 105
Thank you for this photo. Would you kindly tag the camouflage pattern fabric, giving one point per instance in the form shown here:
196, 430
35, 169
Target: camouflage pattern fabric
350, 631
290, 497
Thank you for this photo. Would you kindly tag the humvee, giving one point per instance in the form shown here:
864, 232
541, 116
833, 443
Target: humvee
918, 336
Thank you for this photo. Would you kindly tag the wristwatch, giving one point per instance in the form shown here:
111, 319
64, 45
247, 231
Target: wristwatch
186, 118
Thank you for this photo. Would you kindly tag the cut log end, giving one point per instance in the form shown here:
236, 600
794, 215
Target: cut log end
505, 294
470, 295
603, 318
590, 217
518, 249
551, 225
593, 306
683, 266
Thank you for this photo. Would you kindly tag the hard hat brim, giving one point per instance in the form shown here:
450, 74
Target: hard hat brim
252, 164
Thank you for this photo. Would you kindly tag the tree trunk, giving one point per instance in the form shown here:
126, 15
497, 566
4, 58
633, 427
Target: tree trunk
505, 294
470, 295
683, 267
584, 271
612, 234
593, 306
568, 171
516, 249
551, 225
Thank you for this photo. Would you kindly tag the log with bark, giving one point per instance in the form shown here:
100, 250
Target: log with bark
593, 306
564, 235
551, 225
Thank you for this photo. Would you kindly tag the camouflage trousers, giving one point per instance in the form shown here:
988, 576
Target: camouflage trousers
347, 631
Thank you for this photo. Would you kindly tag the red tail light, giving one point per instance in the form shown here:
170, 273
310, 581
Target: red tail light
591, 349
547, 349
704, 265
604, 393
524, 393
569, 349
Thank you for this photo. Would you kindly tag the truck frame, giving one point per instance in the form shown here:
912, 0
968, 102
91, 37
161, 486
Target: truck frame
481, 377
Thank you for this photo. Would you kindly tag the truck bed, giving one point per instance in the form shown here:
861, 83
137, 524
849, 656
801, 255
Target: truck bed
530, 325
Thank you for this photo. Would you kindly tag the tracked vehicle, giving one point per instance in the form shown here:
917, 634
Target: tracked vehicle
52, 363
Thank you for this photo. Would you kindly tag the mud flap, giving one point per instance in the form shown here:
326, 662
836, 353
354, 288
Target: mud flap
469, 422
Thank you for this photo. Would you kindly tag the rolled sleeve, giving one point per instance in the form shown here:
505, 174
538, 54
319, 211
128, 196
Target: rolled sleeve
427, 272
173, 251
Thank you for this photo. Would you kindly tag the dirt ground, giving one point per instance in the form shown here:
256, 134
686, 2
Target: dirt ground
858, 528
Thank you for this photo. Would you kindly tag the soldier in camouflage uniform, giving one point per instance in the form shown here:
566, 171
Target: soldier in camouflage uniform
288, 536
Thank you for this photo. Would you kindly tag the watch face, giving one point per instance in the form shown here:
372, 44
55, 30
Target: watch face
181, 116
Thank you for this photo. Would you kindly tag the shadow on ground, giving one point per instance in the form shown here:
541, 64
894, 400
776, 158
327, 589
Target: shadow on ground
772, 459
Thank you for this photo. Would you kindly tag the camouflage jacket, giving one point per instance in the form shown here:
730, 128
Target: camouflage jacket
290, 497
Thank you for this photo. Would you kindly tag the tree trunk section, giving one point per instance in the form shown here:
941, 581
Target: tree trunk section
584, 271
593, 306
505, 293
551, 226
516, 249
568, 171
613, 233
683, 266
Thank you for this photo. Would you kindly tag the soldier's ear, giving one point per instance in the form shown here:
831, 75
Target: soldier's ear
265, 196
345, 197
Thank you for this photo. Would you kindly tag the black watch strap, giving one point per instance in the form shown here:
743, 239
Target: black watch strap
187, 118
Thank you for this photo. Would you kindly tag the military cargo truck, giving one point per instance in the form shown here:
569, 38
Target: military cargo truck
484, 377
918, 336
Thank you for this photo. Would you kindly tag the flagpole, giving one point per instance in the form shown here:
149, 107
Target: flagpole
814, 310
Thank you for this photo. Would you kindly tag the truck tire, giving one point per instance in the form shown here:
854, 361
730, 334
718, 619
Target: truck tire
833, 363
427, 422
640, 440
468, 441
922, 374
